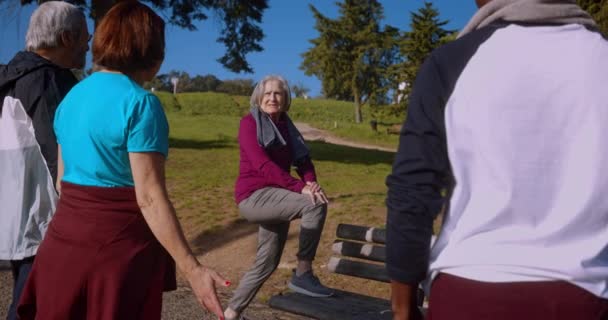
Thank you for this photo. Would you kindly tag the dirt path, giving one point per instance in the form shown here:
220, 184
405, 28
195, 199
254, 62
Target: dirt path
314, 134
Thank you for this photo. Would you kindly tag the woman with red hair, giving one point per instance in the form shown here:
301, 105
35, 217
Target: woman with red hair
110, 249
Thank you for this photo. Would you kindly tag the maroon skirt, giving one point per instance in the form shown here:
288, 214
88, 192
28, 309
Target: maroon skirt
456, 298
98, 260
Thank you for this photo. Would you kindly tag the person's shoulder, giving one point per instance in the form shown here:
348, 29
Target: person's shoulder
144, 101
136, 94
63, 80
247, 124
247, 119
146, 96
48, 73
464, 46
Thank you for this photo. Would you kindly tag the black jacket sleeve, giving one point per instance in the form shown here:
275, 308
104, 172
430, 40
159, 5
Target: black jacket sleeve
420, 172
41, 93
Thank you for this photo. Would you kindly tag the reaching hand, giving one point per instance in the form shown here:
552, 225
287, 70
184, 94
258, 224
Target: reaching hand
203, 281
315, 191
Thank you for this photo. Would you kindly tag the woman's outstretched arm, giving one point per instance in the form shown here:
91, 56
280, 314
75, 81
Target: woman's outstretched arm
149, 176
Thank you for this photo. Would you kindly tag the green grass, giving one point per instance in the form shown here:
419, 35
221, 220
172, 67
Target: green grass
337, 117
334, 116
201, 168
168, 101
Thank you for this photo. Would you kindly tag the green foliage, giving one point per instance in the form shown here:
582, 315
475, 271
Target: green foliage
241, 33
160, 82
205, 83
299, 90
425, 35
168, 100
241, 87
352, 54
199, 83
598, 9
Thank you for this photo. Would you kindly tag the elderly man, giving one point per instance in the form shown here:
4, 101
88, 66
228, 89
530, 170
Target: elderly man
31, 86
510, 120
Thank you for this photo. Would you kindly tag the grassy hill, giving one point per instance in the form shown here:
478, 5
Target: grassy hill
334, 116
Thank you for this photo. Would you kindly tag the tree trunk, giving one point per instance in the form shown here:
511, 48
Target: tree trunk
358, 115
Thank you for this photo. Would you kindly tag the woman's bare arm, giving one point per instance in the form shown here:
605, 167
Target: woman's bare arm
149, 177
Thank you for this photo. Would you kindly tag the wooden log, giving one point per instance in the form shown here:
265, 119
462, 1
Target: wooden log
359, 250
359, 233
358, 269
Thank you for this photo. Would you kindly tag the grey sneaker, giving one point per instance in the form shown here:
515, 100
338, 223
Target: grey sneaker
308, 284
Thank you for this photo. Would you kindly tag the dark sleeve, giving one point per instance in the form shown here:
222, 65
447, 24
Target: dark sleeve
306, 170
419, 174
260, 160
43, 91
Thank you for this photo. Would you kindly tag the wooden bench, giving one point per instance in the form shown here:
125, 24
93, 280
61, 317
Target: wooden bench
366, 245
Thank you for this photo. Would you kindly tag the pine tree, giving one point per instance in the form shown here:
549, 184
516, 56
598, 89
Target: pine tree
426, 34
352, 54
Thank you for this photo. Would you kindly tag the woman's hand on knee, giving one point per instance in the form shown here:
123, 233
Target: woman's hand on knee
203, 282
315, 192
314, 186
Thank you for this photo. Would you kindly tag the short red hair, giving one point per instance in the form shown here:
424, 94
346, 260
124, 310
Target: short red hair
129, 38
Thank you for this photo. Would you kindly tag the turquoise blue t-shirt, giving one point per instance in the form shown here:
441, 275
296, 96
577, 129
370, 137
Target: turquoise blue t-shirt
100, 121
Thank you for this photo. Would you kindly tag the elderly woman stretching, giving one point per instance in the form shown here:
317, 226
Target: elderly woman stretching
267, 194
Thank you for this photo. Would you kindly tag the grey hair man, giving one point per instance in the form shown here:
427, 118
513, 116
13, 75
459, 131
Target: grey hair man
32, 85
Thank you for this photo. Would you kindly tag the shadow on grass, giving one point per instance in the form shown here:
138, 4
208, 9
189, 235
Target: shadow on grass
357, 195
198, 144
322, 151
221, 236
390, 123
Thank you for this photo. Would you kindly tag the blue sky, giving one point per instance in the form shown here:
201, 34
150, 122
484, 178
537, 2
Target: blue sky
287, 24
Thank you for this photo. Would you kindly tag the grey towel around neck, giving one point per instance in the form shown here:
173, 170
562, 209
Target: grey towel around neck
268, 135
530, 11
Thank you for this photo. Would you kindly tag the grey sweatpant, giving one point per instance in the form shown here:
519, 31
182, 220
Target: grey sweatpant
273, 209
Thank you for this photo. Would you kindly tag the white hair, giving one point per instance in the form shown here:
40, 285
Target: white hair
49, 21
258, 92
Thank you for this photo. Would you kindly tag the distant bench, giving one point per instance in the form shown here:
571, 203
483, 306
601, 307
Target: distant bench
362, 243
